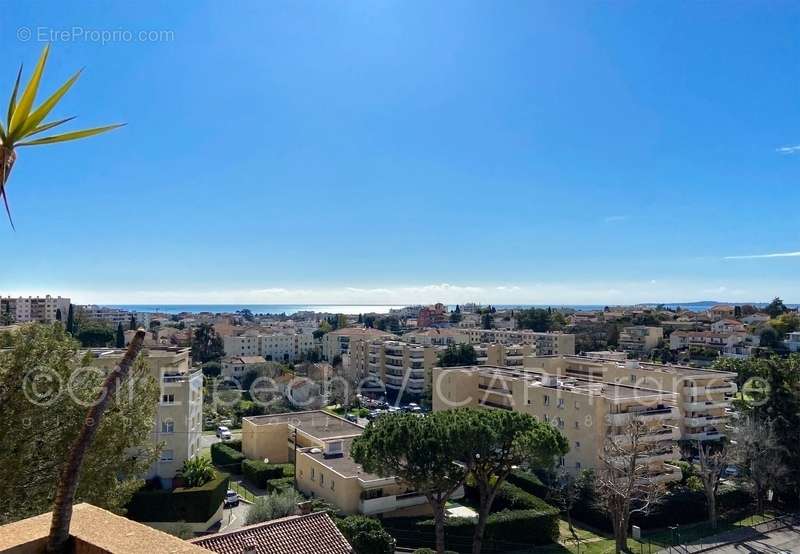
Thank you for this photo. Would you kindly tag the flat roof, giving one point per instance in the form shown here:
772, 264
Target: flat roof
343, 465
315, 423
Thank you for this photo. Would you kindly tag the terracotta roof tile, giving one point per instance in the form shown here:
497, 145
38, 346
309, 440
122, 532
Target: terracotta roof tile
310, 534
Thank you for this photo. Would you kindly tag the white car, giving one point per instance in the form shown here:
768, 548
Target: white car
223, 433
231, 499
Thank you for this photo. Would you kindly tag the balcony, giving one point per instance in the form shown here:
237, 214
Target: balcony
384, 504
707, 405
660, 414
702, 421
705, 436
664, 433
716, 388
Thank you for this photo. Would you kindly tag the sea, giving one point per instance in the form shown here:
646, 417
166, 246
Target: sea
353, 309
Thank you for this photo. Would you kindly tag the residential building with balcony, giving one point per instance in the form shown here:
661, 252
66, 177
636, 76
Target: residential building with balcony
337, 343
401, 367
237, 367
33, 308
279, 345
433, 316
436, 337
721, 311
703, 396
640, 339
547, 344
585, 411
319, 446
178, 423
719, 341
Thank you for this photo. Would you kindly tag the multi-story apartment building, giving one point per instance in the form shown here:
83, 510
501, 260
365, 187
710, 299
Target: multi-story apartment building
640, 339
237, 367
114, 316
406, 368
547, 344
721, 342
178, 423
337, 343
585, 411
283, 346
436, 337
703, 396
319, 446
433, 316
33, 308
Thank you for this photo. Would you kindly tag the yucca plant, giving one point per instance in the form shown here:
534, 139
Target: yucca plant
23, 122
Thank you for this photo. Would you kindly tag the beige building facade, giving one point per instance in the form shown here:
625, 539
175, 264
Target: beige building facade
639, 340
547, 344
33, 308
319, 446
179, 419
278, 346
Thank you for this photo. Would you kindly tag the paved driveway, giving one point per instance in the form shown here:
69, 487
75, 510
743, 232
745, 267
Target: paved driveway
782, 541
233, 518
207, 440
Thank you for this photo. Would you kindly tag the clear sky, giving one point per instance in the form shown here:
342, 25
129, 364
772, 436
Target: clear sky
391, 152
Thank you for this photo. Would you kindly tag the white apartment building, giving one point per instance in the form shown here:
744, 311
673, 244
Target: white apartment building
437, 337
114, 316
34, 308
179, 419
337, 343
547, 344
280, 346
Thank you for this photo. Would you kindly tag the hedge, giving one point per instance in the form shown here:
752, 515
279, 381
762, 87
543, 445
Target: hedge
529, 482
236, 444
509, 497
260, 473
192, 505
226, 457
275, 485
505, 531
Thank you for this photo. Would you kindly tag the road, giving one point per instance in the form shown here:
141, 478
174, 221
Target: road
233, 518
782, 541
207, 440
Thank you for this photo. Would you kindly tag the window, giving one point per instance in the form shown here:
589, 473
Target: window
168, 399
167, 426
167, 456
561, 462
312, 473
577, 444
577, 465
321, 478
333, 485
577, 405
561, 403
577, 425
633, 378
546, 400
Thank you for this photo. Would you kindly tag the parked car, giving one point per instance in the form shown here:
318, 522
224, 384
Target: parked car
352, 418
223, 433
231, 499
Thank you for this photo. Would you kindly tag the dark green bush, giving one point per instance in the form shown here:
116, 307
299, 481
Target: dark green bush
529, 482
236, 444
366, 535
280, 484
260, 473
506, 530
226, 457
509, 497
193, 505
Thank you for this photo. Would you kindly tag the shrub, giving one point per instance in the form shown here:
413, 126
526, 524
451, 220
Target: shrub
506, 530
192, 505
236, 444
510, 497
260, 473
197, 471
226, 457
529, 482
272, 506
366, 535
283, 483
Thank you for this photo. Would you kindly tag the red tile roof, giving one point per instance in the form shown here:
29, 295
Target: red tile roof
310, 534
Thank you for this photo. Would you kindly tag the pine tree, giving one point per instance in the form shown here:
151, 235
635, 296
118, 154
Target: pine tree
132, 325
71, 320
120, 341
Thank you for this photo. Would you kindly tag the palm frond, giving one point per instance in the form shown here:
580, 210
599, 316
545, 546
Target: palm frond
47, 126
12, 103
41, 112
23, 108
73, 135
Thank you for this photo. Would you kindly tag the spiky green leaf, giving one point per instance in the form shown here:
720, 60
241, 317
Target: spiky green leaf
22, 109
74, 135
48, 126
41, 112
12, 103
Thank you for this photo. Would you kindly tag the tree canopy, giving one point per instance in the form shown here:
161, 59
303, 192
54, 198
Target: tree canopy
48, 415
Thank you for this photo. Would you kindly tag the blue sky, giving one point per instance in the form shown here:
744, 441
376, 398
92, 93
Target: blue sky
393, 152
